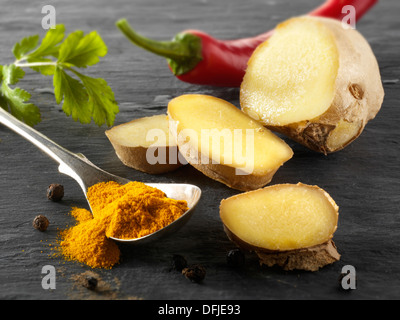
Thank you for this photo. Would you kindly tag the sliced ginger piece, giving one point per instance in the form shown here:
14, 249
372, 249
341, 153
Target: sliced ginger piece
145, 144
309, 78
224, 143
290, 80
290, 225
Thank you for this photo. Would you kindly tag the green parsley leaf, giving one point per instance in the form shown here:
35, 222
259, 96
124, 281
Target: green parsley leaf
92, 94
15, 100
82, 51
101, 99
27, 49
50, 43
92, 98
74, 95
44, 65
24, 46
82, 97
48, 47
12, 74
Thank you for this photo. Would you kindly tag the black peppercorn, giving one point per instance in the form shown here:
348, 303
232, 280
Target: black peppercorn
194, 272
178, 262
55, 192
90, 282
235, 258
40, 223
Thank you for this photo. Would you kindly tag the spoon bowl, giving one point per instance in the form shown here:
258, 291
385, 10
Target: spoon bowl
191, 194
86, 174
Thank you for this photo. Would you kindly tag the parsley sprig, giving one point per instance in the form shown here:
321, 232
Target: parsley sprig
82, 97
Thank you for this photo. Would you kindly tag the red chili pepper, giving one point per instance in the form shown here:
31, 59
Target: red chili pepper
196, 57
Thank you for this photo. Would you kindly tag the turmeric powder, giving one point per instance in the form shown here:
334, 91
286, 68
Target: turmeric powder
119, 211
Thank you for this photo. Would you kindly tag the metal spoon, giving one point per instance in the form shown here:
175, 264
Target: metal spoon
77, 166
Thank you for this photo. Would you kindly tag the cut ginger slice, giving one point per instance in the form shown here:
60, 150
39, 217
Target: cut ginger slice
145, 144
224, 143
314, 81
292, 76
291, 225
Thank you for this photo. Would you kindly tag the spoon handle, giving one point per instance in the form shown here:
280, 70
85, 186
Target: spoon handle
72, 164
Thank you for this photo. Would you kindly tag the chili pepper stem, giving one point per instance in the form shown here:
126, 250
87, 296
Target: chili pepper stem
183, 51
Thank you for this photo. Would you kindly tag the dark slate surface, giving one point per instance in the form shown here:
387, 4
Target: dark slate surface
363, 178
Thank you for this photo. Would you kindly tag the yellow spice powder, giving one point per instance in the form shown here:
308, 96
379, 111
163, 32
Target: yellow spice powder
119, 211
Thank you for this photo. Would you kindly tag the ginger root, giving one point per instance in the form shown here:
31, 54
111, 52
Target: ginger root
308, 259
290, 225
145, 144
224, 143
315, 82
